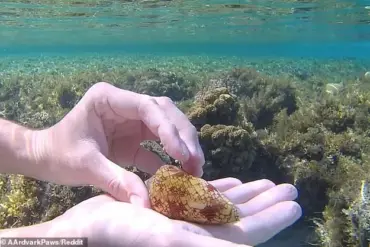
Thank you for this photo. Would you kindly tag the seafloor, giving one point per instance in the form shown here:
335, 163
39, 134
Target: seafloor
304, 122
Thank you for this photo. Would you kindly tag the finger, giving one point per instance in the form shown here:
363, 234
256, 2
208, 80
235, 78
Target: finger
137, 129
188, 133
245, 192
189, 239
264, 225
254, 229
277, 194
156, 120
134, 106
121, 184
225, 184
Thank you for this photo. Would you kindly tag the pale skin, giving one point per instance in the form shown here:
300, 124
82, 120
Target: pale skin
101, 135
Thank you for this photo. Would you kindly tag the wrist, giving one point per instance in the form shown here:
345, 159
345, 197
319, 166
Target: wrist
22, 150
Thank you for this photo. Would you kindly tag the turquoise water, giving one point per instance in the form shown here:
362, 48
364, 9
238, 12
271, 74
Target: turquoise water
250, 28
323, 37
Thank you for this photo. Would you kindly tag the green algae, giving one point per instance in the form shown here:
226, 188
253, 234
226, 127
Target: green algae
318, 142
251, 125
214, 107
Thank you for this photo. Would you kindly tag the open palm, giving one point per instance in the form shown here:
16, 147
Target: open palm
265, 210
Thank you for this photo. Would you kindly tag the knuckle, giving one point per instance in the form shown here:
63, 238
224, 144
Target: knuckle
100, 86
165, 101
98, 91
145, 104
168, 129
146, 101
113, 186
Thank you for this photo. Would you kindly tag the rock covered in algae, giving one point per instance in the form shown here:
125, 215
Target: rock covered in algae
157, 82
260, 96
358, 214
229, 150
216, 106
227, 139
181, 196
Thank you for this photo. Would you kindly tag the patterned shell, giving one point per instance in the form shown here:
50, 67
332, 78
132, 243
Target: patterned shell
181, 196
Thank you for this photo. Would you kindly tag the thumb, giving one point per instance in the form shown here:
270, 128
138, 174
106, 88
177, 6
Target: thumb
121, 184
189, 239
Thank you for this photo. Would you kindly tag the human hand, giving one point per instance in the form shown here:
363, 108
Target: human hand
105, 129
265, 210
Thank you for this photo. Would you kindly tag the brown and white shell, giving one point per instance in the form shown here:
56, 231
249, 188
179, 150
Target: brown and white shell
181, 196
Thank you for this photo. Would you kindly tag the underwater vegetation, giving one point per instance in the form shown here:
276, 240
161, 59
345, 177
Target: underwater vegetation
251, 126
25, 99
25, 201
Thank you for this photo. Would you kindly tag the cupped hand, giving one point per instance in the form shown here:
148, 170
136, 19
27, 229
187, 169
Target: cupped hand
265, 210
102, 134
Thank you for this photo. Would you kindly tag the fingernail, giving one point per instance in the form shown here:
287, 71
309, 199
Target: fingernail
137, 200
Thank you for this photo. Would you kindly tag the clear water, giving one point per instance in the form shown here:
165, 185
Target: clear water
275, 29
252, 28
